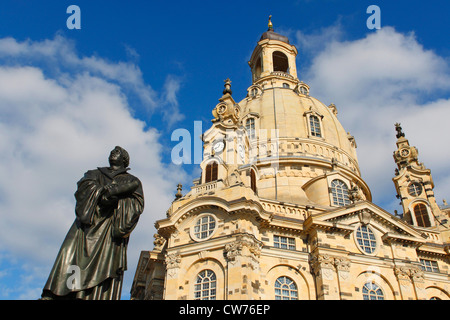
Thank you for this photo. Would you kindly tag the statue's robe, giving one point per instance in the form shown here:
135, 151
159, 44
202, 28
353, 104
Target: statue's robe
92, 258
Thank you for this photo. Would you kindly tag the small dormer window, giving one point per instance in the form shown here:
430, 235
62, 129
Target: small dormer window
285, 85
250, 127
303, 90
314, 125
339, 192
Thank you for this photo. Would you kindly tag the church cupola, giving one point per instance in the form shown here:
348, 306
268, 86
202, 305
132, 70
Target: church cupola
274, 59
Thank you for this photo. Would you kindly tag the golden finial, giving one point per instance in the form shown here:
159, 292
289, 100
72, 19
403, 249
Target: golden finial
270, 23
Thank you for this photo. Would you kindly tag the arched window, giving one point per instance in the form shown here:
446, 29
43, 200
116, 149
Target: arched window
339, 191
286, 85
421, 214
205, 286
211, 172
253, 180
280, 62
250, 127
372, 291
314, 126
285, 289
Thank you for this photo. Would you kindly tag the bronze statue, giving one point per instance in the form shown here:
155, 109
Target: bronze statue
92, 258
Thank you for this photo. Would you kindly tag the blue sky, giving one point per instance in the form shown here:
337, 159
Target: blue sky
138, 70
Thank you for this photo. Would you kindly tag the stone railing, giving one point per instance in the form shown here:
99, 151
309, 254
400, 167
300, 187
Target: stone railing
207, 187
289, 210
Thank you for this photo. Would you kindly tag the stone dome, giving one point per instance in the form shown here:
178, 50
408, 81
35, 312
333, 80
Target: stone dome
292, 114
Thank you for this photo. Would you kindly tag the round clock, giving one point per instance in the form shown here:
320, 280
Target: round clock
404, 152
221, 109
218, 146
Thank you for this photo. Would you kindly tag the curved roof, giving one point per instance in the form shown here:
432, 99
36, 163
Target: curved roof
271, 35
290, 110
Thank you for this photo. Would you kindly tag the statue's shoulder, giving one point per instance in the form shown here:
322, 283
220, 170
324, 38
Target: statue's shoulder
92, 174
128, 176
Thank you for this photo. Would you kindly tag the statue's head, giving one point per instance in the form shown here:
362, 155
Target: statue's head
119, 157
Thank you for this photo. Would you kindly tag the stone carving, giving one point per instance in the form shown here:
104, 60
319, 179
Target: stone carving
236, 249
342, 264
159, 241
325, 264
173, 261
232, 250
355, 194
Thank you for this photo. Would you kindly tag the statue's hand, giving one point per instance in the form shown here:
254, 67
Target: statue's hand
106, 199
122, 187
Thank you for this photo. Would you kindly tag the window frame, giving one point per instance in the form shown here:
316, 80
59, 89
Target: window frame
417, 191
198, 222
315, 129
278, 285
199, 285
289, 242
422, 214
429, 265
338, 194
250, 128
303, 90
362, 247
378, 288
313, 113
212, 171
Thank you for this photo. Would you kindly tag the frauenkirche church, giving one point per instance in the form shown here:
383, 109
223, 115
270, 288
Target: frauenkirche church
281, 211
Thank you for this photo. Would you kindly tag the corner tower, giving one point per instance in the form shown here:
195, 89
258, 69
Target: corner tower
414, 185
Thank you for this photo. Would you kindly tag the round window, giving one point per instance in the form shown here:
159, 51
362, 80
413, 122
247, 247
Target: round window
204, 227
415, 189
366, 240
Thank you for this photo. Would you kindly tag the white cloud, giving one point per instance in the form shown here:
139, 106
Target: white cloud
171, 113
54, 126
384, 78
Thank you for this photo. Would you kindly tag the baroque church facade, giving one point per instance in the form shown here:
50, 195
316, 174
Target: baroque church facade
281, 210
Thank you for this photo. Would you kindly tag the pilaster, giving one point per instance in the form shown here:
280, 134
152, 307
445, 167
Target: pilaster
243, 270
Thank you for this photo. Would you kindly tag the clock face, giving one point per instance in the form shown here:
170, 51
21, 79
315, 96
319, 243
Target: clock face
221, 109
404, 152
218, 146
